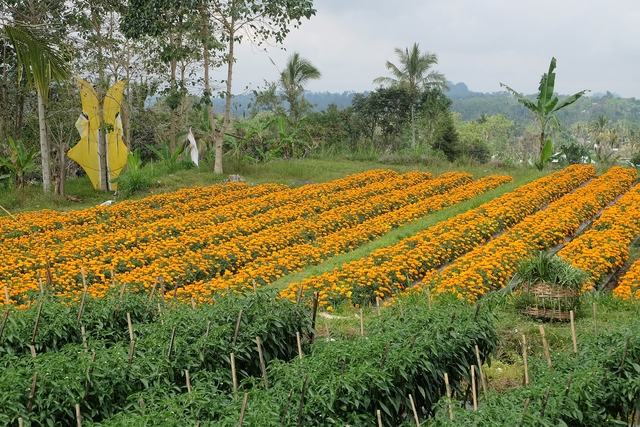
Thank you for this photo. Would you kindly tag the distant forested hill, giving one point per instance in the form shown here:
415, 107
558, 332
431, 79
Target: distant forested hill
471, 105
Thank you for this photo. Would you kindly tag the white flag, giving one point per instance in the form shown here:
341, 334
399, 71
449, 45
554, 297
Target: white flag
193, 148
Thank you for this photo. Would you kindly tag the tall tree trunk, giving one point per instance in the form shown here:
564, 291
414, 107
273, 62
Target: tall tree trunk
227, 105
102, 136
413, 128
207, 84
44, 145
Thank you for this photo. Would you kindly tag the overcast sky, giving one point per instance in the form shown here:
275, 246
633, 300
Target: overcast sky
481, 43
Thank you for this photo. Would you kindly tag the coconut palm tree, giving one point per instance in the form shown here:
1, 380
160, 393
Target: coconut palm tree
415, 73
42, 62
296, 74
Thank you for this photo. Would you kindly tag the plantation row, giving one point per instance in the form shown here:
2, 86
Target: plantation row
220, 248
388, 270
128, 377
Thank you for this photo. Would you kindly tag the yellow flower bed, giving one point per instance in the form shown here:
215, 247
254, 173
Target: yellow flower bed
629, 285
170, 236
605, 246
391, 268
266, 269
491, 266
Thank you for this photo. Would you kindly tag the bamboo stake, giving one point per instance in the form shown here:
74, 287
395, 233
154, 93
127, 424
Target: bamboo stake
20, 424
186, 374
524, 412
299, 295
173, 336
448, 388
113, 279
379, 418
49, 274
545, 345
33, 351
234, 378
262, 364
482, 380
6, 296
153, 289
384, 356
132, 349
122, 288
253, 282
299, 344
524, 358
244, 407
87, 386
84, 296
162, 289
41, 286
286, 408
573, 333
475, 317
429, 298
4, 321
84, 339
313, 316
595, 320
361, 322
206, 336
415, 413
78, 415
235, 335
35, 325
378, 305
193, 303
544, 402
301, 407
473, 387
624, 356
130, 326
124, 285
32, 393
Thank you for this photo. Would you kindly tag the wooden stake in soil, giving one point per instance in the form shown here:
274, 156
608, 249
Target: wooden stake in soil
235, 335
206, 336
299, 344
153, 289
20, 423
6, 296
132, 349
378, 305
448, 387
624, 356
124, 285
262, 364
595, 320
130, 326
32, 393
361, 322
573, 333
473, 388
84, 296
415, 413
299, 295
544, 402
234, 378
78, 415
84, 339
313, 316
524, 358
186, 374
384, 356
41, 286
193, 303
33, 351
4, 321
173, 336
286, 408
524, 412
244, 407
482, 380
429, 298
545, 345
301, 407
35, 325
379, 418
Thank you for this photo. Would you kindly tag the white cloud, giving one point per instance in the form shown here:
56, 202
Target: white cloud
597, 44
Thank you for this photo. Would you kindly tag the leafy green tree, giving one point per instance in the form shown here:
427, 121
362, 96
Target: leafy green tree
414, 72
296, 74
544, 109
43, 62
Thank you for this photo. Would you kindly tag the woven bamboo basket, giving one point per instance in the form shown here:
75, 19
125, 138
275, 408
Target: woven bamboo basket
550, 302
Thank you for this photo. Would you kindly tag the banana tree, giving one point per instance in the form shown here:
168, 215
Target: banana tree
544, 109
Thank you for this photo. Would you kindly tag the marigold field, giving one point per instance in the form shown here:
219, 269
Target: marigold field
198, 307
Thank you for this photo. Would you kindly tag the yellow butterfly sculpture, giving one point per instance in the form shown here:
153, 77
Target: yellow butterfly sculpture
86, 151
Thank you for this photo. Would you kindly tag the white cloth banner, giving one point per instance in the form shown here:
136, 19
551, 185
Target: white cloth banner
193, 148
